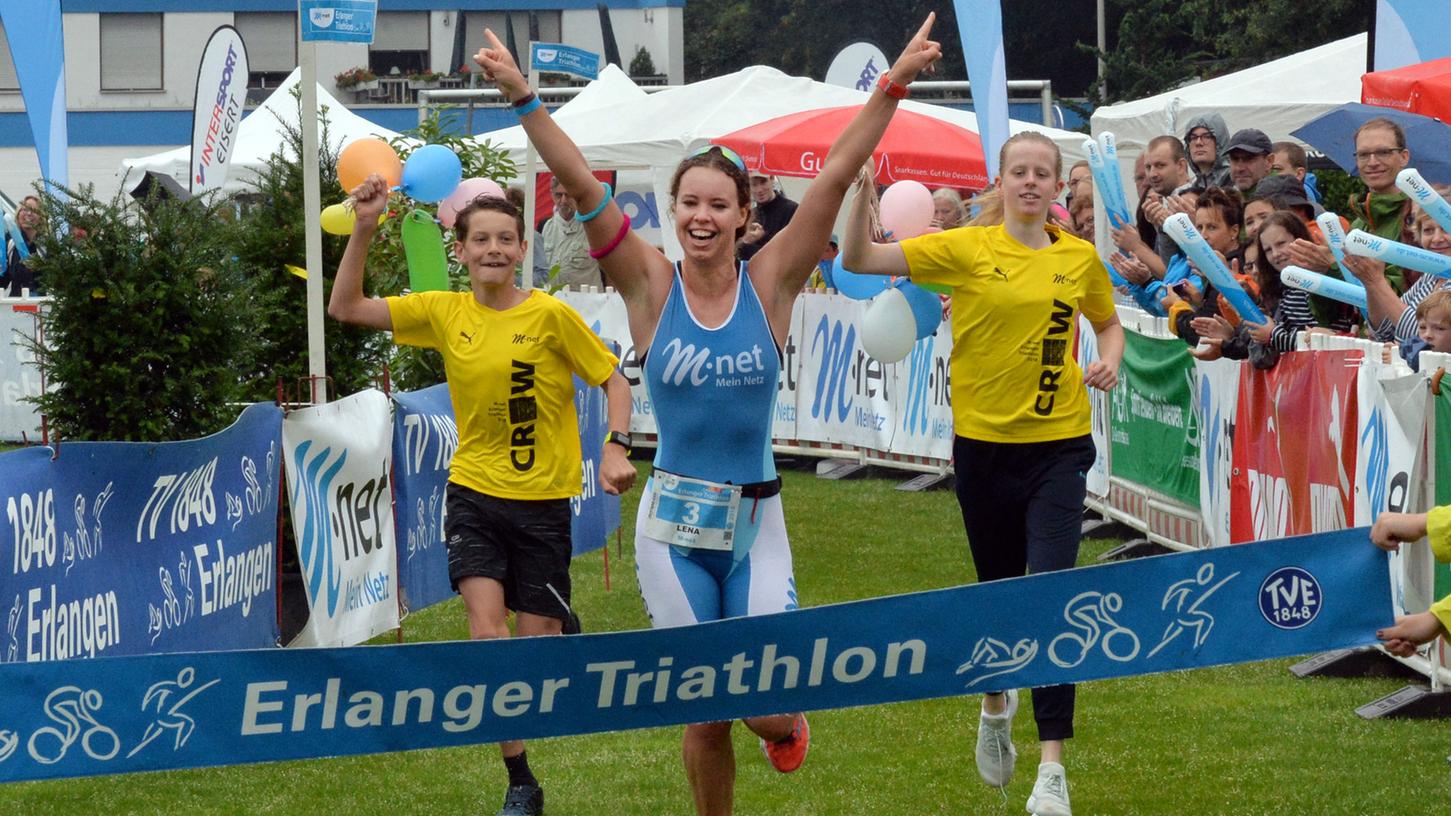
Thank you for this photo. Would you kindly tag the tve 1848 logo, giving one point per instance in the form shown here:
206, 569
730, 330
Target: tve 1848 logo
1290, 598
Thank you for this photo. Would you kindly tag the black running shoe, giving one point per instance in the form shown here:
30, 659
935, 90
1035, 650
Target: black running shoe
523, 800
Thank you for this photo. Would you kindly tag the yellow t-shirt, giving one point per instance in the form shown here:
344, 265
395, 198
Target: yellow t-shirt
509, 376
1014, 321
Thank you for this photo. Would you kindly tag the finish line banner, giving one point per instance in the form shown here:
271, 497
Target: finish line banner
1184, 611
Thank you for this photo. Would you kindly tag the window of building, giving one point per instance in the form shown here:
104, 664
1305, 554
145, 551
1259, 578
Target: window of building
400, 41
8, 80
271, 40
550, 30
131, 50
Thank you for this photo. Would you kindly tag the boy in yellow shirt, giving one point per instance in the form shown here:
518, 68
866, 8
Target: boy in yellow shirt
509, 355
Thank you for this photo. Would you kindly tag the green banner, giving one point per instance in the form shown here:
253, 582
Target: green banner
1442, 450
1155, 433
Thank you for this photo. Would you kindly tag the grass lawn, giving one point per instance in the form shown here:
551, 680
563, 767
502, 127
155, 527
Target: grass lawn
1246, 739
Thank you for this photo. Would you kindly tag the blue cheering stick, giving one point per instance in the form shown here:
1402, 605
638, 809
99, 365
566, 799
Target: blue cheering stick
1182, 230
1410, 182
1324, 285
1362, 243
1335, 236
1103, 181
1109, 143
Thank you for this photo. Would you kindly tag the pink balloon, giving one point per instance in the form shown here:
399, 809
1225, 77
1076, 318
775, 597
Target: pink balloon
907, 209
467, 190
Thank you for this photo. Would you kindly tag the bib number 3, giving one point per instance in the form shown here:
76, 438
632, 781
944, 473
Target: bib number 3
693, 513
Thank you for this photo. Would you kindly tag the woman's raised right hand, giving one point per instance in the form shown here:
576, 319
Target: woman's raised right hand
500, 68
919, 55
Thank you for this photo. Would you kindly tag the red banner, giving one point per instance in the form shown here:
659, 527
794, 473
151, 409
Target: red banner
1294, 447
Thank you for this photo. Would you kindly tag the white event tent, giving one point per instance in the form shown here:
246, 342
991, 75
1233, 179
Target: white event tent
653, 132
259, 136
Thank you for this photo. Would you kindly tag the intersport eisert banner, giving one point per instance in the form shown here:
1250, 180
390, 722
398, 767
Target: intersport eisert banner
221, 95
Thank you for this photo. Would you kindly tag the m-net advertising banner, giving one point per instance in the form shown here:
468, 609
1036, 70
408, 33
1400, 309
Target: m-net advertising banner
1390, 424
922, 414
338, 458
1216, 398
1147, 615
1294, 446
1155, 431
125, 548
843, 393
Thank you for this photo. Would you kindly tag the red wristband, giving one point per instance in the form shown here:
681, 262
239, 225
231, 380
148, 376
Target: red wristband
892, 89
610, 247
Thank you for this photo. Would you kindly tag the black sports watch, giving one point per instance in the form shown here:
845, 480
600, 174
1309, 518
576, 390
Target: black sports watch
620, 438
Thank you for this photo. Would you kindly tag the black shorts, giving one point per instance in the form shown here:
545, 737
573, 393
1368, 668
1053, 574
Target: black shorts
524, 545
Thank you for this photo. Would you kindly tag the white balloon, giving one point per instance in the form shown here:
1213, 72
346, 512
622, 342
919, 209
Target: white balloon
888, 328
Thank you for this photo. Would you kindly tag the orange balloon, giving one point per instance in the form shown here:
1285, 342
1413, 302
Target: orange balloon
364, 157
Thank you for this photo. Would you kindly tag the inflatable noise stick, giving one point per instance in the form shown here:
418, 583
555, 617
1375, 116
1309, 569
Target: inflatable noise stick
1324, 285
1362, 243
1411, 183
1103, 177
1335, 236
1182, 230
1109, 143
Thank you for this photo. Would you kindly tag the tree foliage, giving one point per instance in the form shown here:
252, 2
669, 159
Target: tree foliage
149, 321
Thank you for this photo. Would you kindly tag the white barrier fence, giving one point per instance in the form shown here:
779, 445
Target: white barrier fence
19, 377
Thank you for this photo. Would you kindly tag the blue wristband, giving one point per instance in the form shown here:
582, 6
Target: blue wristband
590, 216
528, 107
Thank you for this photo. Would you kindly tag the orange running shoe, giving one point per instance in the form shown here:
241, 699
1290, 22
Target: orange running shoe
787, 754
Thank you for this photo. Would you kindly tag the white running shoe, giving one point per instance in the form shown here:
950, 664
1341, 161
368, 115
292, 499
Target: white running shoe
1050, 792
996, 755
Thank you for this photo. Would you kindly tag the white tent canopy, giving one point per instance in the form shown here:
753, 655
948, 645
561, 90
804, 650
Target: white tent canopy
258, 137
658, 130
1276, 97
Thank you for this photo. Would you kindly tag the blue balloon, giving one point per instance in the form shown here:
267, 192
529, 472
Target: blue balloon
854, 286
431, 174
926, 308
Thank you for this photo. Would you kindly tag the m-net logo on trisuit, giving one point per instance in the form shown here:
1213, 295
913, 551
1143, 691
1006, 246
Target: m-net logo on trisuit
1290, 598
685, 362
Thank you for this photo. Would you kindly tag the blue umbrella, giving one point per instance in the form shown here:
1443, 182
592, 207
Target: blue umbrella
1333, 134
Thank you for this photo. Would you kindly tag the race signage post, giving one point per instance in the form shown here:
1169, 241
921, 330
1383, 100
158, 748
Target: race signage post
328, 21
558, 59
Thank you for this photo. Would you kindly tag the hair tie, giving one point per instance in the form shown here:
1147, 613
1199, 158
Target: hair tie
585, 218
619, 236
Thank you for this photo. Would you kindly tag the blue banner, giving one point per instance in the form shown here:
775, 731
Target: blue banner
37, 48
1173, 612
124, 548
980, 24
563, 59
337, 20
424, 439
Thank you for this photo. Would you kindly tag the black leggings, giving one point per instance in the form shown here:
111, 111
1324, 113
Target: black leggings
1022, 507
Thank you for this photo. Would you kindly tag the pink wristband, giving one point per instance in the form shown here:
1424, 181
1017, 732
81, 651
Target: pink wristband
610, 247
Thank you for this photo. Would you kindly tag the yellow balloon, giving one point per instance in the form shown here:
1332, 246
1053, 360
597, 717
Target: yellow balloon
338, 219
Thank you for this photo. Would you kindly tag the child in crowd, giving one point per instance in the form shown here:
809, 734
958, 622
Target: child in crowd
1287, 310
1433, 328
1218, 218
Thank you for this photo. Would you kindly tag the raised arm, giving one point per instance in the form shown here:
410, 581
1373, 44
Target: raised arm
348, 303
633, 261
784, 264
859, 253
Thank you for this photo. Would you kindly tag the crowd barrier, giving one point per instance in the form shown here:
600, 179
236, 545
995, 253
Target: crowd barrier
1192, 454
19, 377
124, 548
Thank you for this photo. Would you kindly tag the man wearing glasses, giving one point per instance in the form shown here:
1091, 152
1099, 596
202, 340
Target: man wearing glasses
1380, 153
1206, 163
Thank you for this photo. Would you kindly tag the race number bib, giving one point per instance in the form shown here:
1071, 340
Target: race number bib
693, 513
